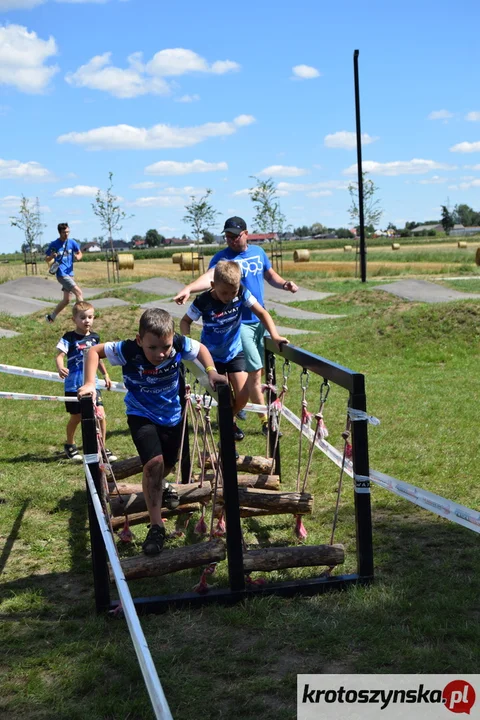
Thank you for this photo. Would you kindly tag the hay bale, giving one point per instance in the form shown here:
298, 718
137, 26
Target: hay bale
395, 246
477, 257
189, 261
176, 258
347, 248
301, 256
125, 261
461, 244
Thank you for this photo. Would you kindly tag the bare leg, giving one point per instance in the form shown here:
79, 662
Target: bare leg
255, 389
78, 293
72, 425
239, 383
153, 473
61, 305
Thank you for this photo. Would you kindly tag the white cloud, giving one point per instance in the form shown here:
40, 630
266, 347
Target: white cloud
319, 193
283, 171
305, 72
19, 4
440, 115
399, 167
127, 137
472, 167
16, 170
466, 147
10, 201
22, 59
467, 185
166, 229
148, 185
179, 61
187, 98
77, 191
171, 167
241, 193
434, 180
312, 187
473, 117
347, 140
158, 201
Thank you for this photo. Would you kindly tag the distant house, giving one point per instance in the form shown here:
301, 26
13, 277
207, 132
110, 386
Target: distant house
139, 244
325, 236
261, 237
176, 241
119, 245
91, 247
427, 228
461, 231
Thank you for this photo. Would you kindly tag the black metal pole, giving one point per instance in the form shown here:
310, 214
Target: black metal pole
230, 490
363, 250
99, 554
361, 483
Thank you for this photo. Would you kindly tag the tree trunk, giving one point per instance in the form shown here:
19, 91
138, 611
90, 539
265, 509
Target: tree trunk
256, 465
135, 502
132, 466
269, 482
275, 503
169, 561
143, 517
277, 558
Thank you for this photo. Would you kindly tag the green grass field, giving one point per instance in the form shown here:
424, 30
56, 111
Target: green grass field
421, 615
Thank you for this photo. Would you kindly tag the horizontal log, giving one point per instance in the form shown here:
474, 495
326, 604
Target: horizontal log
169, 561
254, 464
125, 468
143, 517
246, 512
278, 558
135, 502
269, 482
280, 502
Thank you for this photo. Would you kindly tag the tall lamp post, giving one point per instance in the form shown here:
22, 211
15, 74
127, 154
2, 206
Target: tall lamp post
363, 250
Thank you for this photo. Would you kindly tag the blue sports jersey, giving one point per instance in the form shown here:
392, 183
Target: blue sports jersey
152, 390
221, 323
73, 345
254, 263
65, 252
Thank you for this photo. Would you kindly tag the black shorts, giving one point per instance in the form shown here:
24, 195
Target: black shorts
74, 407
236, 364
152, 440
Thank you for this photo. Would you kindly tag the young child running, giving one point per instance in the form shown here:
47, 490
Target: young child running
72, 346
221, 311
151, 369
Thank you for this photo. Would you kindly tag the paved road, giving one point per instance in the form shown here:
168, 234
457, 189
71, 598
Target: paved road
423, 291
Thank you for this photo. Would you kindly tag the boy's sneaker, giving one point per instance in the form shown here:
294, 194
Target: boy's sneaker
110, 456
153, 543
237, 433
170, 497
72, 453
49, 319
242, 415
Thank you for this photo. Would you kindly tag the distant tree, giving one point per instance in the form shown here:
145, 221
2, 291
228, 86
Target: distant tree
200, 214
344, 234
465, 215
411, 225
108, 211
153, 238
372, 211
447, 219
303, 231
393, 227
137, 238
29, 221
318, 229
184, 237
208, 237
268, 216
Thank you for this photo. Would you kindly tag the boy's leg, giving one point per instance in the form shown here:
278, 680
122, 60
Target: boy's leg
238, 381
73, 422
252, 343
72, 425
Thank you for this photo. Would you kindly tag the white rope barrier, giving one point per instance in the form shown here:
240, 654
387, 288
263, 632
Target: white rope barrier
27, 396
52, 376
152, 682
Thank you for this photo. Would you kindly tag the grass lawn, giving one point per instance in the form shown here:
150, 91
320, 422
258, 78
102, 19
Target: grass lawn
421, 615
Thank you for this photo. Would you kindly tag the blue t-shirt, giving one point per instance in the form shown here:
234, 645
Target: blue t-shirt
65, 251
221, 323
254, 263
152, 390
73, 345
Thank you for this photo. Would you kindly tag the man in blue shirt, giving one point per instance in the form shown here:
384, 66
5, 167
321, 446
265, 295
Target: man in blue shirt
60, 256
256, 268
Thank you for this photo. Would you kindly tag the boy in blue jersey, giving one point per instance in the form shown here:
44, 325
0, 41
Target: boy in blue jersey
62, 252
221, 311
72, 346
256, 268
151, 369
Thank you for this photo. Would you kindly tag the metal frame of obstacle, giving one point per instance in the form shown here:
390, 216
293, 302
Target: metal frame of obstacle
238, 589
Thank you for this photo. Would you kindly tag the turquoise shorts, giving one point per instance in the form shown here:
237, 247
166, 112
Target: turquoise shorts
252, 343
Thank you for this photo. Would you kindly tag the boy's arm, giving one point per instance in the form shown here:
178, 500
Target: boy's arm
276, 281
186, 325
206, 360
199, 285
91, 366
103, 369
62, 371
267, 322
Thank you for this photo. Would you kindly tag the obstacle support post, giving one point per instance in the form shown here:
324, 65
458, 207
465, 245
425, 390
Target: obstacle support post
101, 581
185, 460
270, 371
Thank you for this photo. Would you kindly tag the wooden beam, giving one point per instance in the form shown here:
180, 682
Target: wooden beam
278, 558
143, 517
254, 464
269, 482
276, 502
168, 561
135, 502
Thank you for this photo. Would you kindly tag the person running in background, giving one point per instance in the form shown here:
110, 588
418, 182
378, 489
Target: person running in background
256, 268
221, 311
72, 346
61, 254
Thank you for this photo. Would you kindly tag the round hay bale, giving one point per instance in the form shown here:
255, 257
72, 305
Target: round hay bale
395, 246
301, 256
176, 258
347, 248
461, 244
477, 257
125, 261
187, 262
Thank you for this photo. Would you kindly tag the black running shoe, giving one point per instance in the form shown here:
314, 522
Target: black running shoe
71, 451
170, 497
237, 433
242, 415
49, 319
153, 543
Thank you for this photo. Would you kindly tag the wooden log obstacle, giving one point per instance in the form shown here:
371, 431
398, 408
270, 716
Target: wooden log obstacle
191, 556
301, 256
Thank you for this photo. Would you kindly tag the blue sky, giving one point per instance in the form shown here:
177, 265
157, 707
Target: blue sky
174, 98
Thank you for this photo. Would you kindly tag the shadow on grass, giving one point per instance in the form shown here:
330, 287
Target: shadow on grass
33, 457
7, 548
78, 538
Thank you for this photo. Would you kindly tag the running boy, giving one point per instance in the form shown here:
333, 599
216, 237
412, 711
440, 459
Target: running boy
63, 251
151, 369
72, 346
221, 311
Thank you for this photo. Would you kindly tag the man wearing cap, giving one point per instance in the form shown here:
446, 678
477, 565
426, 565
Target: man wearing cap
255, 267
